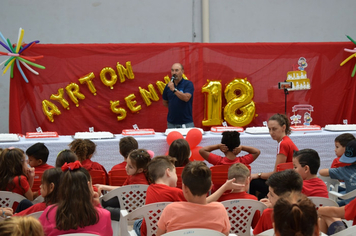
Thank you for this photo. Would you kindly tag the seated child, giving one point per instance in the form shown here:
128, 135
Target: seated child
197, 212
49, 191
306, 162
65, 156
180, 150
78, 209
279, 184
230, 146
340, 144
21, 226
330, 217
295, 215
37, 157
84, 149
345, 173
126, 145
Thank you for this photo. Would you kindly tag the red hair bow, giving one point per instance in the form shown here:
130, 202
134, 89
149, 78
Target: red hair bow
71, 166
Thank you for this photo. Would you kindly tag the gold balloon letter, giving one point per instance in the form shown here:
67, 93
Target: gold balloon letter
88, 79
113, 77
73, 92
161, 85
240, 109
212, 108
118, 110
59, 97
131, 103
125, 72
149, 95
49, 109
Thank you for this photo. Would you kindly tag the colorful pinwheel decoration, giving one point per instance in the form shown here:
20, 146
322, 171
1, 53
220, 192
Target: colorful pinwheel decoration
350, 57
16, 56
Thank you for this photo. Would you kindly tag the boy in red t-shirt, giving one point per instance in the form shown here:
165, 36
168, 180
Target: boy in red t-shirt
37, 157
306, 162
126, 145
340, 144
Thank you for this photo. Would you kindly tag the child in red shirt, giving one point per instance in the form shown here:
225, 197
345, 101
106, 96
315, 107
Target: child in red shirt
126, 145
340, 144
37, 157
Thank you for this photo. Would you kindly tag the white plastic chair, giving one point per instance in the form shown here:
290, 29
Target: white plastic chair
269, 232
38, 199
335, 195
36, 214
241, 212
7, 199
197, 232
322, 201
347, 232
331, 184
78, 234
150, 212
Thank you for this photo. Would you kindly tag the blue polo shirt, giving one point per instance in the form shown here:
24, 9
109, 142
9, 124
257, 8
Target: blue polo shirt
179, 112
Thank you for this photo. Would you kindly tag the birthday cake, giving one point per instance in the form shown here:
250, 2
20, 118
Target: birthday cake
257, 130
9, 138
305, 128
340, 127
139, 132
93, 135
44, 135
183, 131
220, 129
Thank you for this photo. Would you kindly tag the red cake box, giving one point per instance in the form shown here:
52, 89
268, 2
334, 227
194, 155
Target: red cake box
139, 132
30, 135
305, 128
220, 129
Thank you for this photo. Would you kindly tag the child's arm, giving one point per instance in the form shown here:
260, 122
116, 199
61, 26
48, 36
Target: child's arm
337, 212
324, 172
102, 187
255, 152
228, 185
205, 151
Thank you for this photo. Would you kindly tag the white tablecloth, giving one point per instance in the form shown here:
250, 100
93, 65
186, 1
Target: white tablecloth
107, 151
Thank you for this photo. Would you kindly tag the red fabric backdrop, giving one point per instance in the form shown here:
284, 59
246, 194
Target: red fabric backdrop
332, 90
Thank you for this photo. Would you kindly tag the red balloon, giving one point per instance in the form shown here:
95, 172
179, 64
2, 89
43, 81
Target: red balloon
194, 136
195, 154
173, 136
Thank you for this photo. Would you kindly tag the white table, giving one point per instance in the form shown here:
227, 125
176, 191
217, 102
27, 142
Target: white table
107, 151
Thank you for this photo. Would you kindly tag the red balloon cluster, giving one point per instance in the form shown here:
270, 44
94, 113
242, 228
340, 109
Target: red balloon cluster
194, 137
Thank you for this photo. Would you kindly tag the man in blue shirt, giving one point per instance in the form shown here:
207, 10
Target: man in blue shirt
178, 97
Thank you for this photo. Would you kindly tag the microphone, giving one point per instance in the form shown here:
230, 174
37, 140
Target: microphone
173, 78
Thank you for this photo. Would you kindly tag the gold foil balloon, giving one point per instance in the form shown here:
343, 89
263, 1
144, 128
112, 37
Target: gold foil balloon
114, 105
74, 94
88, 79
240, 109
113, 77
125, 72
149, 95
49, 109
161, 85
59, 97
130, 102
213, 103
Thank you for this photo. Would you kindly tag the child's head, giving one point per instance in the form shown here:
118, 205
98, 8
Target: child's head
21, 226
241, 174
279, 125
295, 215
137, 161
126, 145
12, 163
162, 167
50, 185
83, 148
231, 139
75, 194
350, 153
180, 150
64, 156
196, 176
306, 162
37, 154
283, 182
340, 143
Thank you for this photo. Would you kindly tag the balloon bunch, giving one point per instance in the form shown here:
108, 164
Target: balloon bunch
350, 57
194, 137
15, 53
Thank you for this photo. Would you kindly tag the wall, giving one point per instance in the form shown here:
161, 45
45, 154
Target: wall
158, 21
